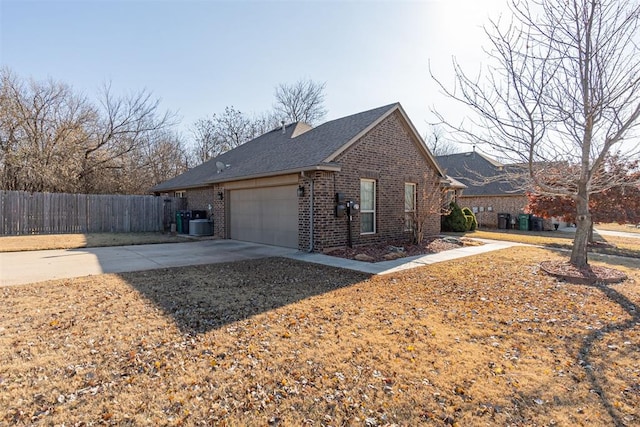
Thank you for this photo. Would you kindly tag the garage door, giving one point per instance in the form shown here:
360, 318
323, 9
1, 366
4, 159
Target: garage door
265, 215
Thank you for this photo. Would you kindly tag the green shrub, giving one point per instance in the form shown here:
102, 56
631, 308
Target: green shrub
455, 221
470, 217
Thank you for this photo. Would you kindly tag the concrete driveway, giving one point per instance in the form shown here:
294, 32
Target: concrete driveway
36, 266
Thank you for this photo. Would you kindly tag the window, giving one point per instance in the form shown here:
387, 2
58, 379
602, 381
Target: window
474, 209
181, 193
367, 206
489, 208
409, 205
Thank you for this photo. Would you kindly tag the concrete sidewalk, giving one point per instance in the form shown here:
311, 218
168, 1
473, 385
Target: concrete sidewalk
386, 267
36, 266
604, 232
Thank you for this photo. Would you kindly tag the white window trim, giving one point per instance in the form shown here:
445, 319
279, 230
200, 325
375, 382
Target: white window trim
373, 211
408, 225
181, 193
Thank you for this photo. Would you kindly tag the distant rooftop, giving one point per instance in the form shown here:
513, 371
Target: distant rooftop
482, 175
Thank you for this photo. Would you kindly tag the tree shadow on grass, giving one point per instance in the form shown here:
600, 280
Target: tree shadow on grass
206, 297
590, 340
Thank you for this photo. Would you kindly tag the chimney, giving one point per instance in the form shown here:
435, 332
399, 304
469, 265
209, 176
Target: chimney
284, 129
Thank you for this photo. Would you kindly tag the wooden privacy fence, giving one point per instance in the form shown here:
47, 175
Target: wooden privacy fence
58, 213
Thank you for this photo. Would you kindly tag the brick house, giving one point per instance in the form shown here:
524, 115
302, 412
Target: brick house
294, 186
488, 192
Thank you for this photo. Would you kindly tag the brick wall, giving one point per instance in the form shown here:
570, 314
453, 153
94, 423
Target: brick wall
490, 206
201, 199
389, 155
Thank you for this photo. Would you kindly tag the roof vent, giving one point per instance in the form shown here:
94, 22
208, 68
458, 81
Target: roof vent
284, 128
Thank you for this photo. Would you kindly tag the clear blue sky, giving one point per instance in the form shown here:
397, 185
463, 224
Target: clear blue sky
200, 56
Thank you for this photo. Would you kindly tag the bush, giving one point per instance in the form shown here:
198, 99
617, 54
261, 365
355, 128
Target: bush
455, 221
470, 217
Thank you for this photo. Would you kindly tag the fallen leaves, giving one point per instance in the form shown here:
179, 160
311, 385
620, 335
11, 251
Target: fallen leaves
475, 341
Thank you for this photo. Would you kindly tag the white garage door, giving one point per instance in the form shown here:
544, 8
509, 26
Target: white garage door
265, 215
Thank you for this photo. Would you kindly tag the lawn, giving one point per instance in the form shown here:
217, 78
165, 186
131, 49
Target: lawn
485, 340
91, 240
609, 245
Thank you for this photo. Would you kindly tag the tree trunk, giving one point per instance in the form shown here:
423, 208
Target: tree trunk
583, 228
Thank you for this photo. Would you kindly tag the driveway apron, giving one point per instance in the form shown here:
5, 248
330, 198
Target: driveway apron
36, 266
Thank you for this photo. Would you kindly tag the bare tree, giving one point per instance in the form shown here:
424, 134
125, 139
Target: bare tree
302, 101
264, 122
205, 136
41, 124
52, 139
234, 128
563, 88
438, 144
159, 157
123, 125
222, 132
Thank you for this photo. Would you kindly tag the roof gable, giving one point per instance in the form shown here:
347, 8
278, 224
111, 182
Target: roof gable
415, 136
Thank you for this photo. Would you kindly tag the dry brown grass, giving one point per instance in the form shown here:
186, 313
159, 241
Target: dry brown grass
92, 240
486, 340
622, 246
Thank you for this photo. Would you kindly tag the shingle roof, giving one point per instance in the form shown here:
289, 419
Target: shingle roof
482, 175
276, 152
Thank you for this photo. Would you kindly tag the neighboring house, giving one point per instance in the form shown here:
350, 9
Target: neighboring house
288, 186
488, 192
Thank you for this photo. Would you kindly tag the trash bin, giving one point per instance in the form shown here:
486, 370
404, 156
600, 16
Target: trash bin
179, 222
186, 217
504, 220
524, 221
536, 224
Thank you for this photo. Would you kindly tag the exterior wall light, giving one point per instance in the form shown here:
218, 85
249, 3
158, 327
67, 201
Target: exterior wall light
301, 191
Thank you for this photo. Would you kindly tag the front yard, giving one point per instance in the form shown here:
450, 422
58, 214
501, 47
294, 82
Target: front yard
483, 340
604, 244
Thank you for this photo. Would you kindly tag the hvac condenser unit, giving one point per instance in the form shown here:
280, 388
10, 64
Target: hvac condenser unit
200, 227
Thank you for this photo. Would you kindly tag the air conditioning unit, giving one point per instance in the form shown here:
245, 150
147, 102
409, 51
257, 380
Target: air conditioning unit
200, 227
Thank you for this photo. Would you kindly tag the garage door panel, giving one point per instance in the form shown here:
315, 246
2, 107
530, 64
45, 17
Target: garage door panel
265, 215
